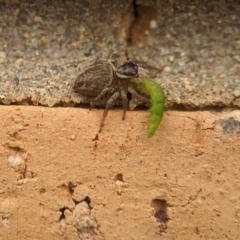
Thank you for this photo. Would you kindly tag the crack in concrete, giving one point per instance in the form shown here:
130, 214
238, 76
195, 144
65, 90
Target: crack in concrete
129, 38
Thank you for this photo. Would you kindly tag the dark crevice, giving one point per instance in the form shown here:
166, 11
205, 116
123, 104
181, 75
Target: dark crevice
174, 106
135, 14
68, 188
76, 202
190, 108
62, 216
88, 201
17, 149
119, 177
96, 138
135, 9
160, 213
71, 187
140, 23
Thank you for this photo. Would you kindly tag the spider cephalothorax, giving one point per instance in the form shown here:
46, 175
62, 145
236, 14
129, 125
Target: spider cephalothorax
127, 70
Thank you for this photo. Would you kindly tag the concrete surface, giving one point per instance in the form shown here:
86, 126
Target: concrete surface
58, 181
44, 45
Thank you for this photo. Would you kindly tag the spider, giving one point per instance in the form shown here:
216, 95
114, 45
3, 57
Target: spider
104, 78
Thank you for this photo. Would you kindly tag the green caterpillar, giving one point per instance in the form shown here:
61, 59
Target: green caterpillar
157, 101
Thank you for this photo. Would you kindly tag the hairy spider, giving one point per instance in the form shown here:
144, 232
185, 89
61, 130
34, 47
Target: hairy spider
104, 78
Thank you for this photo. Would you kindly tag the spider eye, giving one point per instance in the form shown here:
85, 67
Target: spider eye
127, 70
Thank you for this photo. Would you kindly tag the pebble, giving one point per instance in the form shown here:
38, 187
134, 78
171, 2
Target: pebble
153, 24
51, 102
237, 58
3, 56
72, 137
167, 69
236, 93
171, 58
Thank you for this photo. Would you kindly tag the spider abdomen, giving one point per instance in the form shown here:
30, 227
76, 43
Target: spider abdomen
92, 81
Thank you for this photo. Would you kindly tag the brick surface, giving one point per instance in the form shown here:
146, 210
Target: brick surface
58, 181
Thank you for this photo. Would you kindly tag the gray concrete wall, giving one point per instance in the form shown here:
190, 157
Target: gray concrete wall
44, 45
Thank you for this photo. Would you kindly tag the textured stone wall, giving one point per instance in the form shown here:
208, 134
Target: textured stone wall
44, 45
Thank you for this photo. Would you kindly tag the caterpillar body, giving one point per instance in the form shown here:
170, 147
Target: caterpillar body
158, 99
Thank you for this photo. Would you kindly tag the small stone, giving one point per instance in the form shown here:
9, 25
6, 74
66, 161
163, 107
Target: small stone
51, 102
181, 63
182, 54
6, 101
146, 32
73, 137
19, 62
178, 100
192, 75
196, 102
37, 19
210, 60
171, 58
3, 56
15, 161
236, 102
67, 99
222, 76
153, 24
236, 93
26, 35
237, 58
167, 69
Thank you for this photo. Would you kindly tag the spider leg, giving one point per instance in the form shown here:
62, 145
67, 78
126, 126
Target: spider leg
125, 101
137, 95
143, 72
99, 96
113, 67
109, 104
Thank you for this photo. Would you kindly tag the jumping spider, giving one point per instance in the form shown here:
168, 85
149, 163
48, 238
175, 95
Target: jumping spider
104, 78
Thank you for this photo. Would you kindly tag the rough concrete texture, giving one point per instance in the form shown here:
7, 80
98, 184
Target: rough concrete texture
59, 181
44, 45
